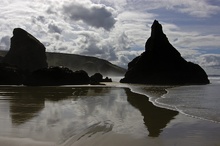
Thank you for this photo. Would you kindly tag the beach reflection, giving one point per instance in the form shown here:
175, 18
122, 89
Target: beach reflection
155, 118
61, 113
27, 102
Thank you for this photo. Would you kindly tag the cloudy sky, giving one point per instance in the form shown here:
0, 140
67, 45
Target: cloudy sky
116, 30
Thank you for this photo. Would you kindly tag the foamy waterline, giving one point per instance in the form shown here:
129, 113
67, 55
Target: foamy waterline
177, 107
156, 100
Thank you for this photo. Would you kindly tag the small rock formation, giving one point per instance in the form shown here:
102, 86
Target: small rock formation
107, 79
26, 52
161, 63
97, 78
55, 76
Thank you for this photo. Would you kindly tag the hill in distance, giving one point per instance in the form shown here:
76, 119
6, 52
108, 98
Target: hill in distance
79, 62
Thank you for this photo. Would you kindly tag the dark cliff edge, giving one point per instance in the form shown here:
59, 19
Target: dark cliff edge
162, 64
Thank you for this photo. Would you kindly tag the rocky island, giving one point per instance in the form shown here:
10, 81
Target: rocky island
162, 64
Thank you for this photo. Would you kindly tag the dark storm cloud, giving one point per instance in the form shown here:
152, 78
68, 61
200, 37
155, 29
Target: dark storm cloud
41, 19
54, 28
94, 15
88, 43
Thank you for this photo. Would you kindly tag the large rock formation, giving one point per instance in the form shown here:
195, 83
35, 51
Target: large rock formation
161, 63
26, 52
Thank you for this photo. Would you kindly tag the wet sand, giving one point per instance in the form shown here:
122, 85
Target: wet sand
107, 116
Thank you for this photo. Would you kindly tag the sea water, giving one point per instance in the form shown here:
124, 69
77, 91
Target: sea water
199, 101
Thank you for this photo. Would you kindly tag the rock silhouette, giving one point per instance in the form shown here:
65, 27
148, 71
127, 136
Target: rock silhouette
26, 52
55, 76
26, 63
98, 77
27, 59
161, 63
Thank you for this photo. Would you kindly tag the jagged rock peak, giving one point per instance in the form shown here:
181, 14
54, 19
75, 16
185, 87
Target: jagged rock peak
156, 29
159, 42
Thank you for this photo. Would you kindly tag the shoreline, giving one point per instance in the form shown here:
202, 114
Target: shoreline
147, 90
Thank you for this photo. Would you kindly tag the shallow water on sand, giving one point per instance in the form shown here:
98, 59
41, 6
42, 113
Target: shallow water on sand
88, 115
200, 101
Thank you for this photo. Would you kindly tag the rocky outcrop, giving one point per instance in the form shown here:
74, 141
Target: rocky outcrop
26, 52
161, 63
55, 76
98, 77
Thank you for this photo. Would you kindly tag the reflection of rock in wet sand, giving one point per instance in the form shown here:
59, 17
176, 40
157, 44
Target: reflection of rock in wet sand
27, 102
24, 104
23, 109
155, 118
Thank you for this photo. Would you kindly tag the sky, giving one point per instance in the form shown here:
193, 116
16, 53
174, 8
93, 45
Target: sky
116, 30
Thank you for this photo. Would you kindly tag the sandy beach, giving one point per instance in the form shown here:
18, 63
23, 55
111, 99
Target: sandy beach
96, 116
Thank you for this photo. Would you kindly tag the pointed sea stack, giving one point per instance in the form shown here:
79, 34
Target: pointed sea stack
26, 52
162, 64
